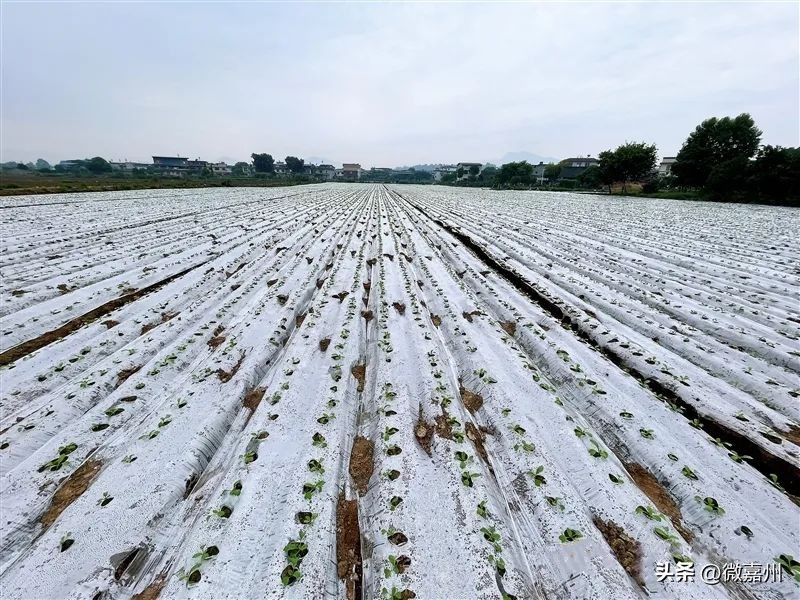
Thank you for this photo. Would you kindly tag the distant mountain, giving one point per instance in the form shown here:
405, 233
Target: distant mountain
521, 155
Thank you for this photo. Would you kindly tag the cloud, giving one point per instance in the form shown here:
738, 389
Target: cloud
388, 84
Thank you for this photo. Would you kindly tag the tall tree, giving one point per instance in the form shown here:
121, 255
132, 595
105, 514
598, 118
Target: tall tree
98, 165
632, 161
263, 163
294, 164
239, 168
713, 143
515, 173
552, 171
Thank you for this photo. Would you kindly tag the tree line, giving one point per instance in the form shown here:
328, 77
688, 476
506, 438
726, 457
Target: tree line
264, 163
722, 159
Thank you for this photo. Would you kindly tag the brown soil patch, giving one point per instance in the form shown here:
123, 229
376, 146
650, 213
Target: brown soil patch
324, 343
626, 549
309, 260
109, 323
216, 338
477, 438
63, 288
367, 286
153, 590
468, 315
362, 463
371, 262
226, 376
423, 432
271, 282
437, 320
472, 401
150, 326
282, 298
390, 257
348, 547
399, 307
659, 496
367, 314
442, 427
298, 320
510, 327
420, 284
341, 296
252, 399
793, 434
18, 293
359, 371
123, 375
43, 340
320, 282
70, 490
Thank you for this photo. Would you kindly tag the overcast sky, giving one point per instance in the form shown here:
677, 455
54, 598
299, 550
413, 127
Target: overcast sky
387, 84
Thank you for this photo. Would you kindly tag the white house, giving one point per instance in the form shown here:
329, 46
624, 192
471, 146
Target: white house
665, 168
221, 168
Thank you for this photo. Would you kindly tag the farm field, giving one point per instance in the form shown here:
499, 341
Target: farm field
361, 391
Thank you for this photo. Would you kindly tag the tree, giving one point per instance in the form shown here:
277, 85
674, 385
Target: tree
42, 165
590, 178
460, 172
488, 175
775, 174
239, 169
294, 164
474, 170
263, 163
515, 173
712, 143
552, 172
632, 161
22, 166
98, 165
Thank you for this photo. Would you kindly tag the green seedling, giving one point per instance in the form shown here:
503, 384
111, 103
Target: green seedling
665, 535
711, 505
649, 512
570, 535
789, 565
468, 479
538, 479
309, 489
491, 535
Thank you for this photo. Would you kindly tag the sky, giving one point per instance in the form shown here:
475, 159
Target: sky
387, 84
